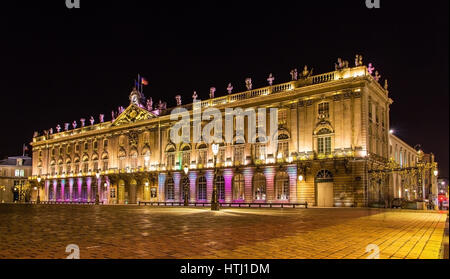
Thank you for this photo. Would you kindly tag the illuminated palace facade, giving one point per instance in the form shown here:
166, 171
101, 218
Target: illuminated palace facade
331, 128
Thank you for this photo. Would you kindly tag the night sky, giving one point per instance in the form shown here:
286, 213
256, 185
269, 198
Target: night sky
59, 65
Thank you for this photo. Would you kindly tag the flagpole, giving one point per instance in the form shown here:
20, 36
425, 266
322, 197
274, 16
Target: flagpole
139, 83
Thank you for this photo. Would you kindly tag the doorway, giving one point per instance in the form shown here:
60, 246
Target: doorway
324, 190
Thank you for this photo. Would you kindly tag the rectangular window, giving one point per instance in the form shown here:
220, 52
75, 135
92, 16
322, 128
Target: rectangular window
283, 148
105, 165
170, 160
239, 154
320, 145
324, 109
202, 156
370, 111
324, 145
186, 158
85, 167
260, 152
328, 145
17, 173
282, 117
221, 157
105, 144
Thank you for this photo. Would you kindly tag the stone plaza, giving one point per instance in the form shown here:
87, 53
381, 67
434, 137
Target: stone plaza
130, 231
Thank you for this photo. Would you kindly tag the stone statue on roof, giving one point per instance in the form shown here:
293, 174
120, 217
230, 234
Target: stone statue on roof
230, 88
248, 83
270, 79
294, 74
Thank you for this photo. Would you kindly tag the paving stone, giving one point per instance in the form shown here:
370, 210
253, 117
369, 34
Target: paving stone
44, 231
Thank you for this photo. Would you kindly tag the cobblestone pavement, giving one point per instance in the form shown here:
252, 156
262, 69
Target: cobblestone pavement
44, 231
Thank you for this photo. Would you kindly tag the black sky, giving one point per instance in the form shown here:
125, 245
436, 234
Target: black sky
59, 65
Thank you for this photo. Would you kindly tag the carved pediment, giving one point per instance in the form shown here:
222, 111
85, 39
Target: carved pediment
132, 114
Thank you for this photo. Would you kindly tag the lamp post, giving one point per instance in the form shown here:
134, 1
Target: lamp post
215, 201
38, 199
97, 197
185, 186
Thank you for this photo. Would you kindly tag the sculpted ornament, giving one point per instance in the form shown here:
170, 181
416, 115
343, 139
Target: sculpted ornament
230, 88
212, 90
270, 79
248, 83
294, 74
131, 115
149, 104
178, 99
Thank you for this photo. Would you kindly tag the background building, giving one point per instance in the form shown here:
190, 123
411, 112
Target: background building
14, 173
413, 175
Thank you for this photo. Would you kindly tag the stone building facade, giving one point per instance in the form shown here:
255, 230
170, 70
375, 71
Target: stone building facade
14, 173
331, 128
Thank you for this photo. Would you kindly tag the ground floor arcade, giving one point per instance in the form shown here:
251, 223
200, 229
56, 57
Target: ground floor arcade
327, 183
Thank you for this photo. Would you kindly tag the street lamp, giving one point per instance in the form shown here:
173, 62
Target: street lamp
215, 201
97, 197
185, 186
38, 199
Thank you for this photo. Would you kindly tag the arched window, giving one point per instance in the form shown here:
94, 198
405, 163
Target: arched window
68, 165
238, 187
324, 141
170, 189
134, 158
202, 154
105, 161
170, 156
122, 141
324, 176
282, 186
85, 164
260, 148
259, 187
201, 188
122, 156
186, 159
220, 184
